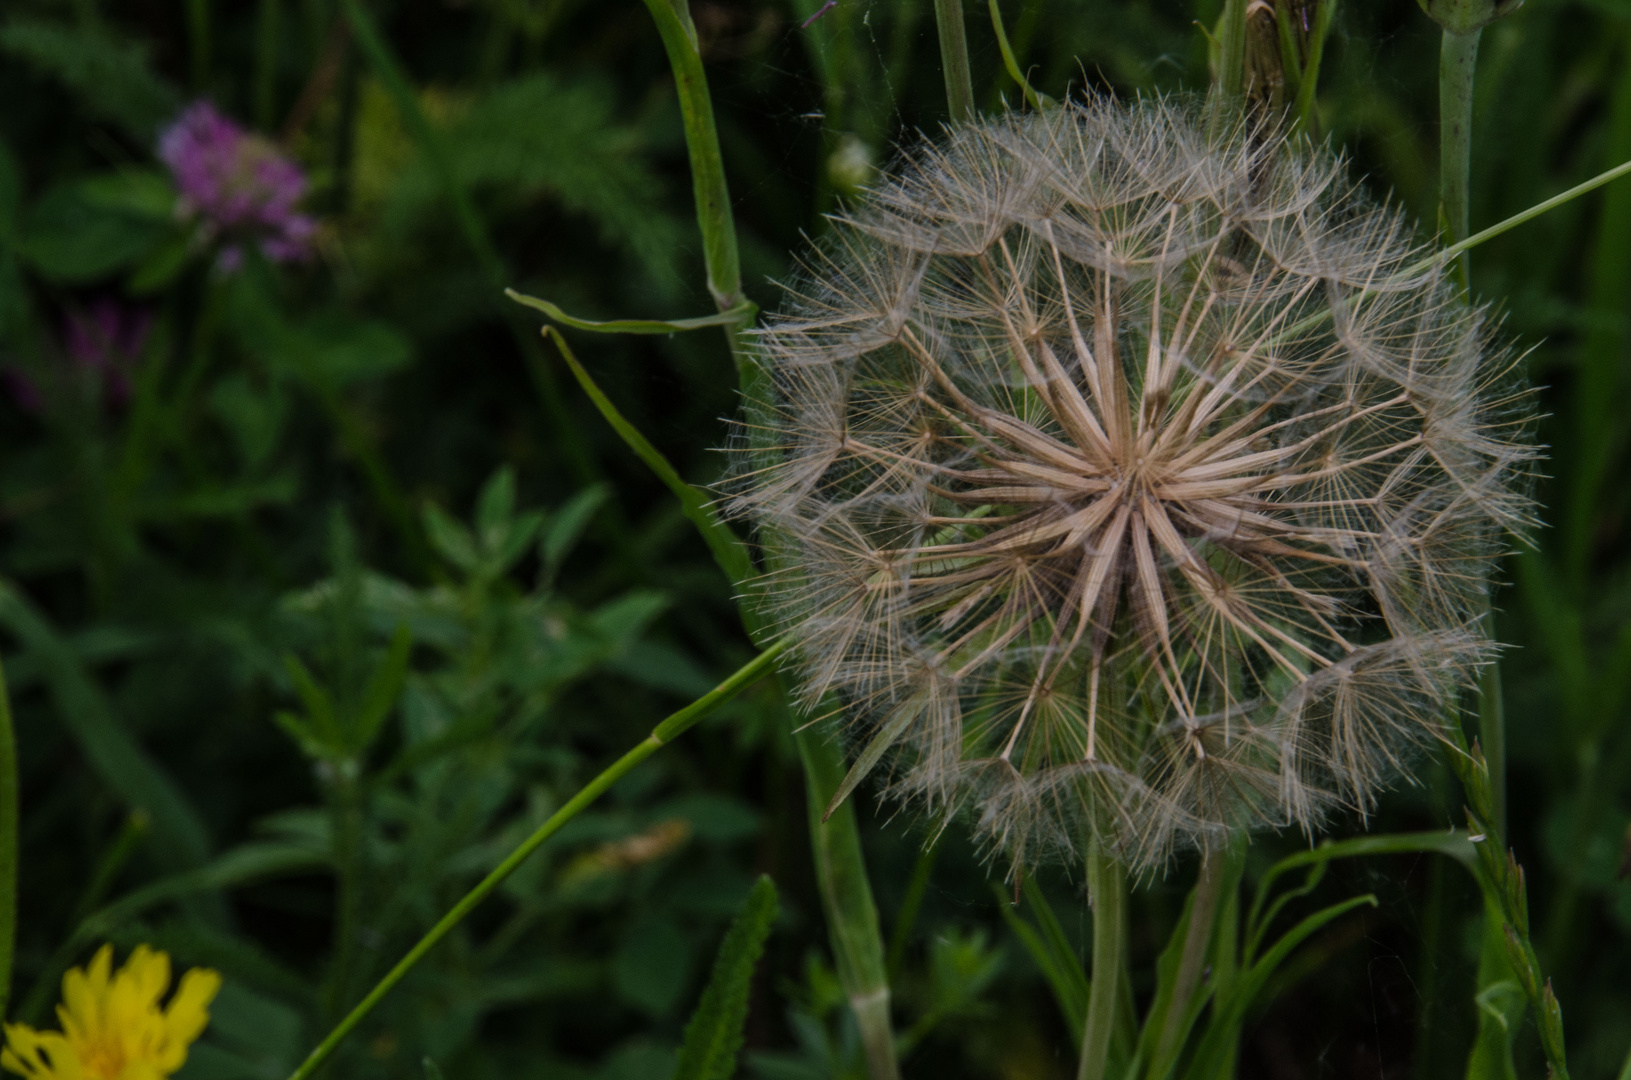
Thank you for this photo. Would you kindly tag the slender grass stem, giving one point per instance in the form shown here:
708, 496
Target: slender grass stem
9, 811
948, 17
1107, 895
663, 734
1197, 942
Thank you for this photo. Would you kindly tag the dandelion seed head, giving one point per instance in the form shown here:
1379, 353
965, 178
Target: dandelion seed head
1126, 479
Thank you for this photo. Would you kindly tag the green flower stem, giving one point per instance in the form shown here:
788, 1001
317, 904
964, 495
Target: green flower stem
1458, 61
714, 217
9, 811
948, 17
1197, 943
846, 895
663, 734
852, 916
1232, 49
1107, 895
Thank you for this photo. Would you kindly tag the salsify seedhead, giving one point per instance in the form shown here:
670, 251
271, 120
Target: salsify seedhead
1126, 475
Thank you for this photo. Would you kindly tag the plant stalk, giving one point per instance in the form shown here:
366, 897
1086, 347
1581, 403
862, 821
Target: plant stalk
1197, 943
948, 17
1458, 61
846, 894
663, 734
714, 217
1107, 896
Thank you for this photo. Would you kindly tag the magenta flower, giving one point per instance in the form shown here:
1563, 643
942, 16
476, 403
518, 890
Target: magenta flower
238, 184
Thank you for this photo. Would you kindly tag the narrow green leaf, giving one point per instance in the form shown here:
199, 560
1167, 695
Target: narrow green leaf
1037, 101
888, 734
714, 1035
1064, 974
451, 539
740, 314
568, 522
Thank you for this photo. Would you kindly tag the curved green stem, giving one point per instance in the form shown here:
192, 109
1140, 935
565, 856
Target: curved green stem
1107, 894
664, 733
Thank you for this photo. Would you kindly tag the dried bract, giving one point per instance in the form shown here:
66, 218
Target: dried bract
1125, 477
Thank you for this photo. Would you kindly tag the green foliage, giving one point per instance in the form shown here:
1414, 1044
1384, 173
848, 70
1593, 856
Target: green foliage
109, 73
340, 588
713, 1037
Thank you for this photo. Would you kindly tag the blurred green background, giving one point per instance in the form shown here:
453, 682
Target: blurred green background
322, 595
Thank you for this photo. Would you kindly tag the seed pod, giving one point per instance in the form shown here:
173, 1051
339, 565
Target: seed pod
1125, 476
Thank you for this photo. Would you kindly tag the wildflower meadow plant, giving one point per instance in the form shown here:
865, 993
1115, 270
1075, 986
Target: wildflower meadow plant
1131, 479
238, 185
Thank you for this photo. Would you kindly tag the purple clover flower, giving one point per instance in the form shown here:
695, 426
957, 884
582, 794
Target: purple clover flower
238, 184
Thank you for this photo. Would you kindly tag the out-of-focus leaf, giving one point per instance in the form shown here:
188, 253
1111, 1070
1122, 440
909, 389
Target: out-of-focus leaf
89, 718
543, 135
11, 193
451, 539
714, 818
72, 234
567, 523
652, 964
714, 1035
109, 74
383, 690
263, 1031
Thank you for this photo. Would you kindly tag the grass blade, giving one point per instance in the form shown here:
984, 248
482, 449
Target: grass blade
116, 757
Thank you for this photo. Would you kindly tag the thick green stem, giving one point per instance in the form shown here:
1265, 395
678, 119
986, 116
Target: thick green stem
1107, 895
846, 894
1232, 49
1458, 61
714, 217
9, 811
664, 733
948, 15
1197, 944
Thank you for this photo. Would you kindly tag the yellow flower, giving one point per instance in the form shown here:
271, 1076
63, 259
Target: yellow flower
112, 1026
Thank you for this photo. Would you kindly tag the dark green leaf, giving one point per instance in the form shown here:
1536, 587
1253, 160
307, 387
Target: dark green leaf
714, 1035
